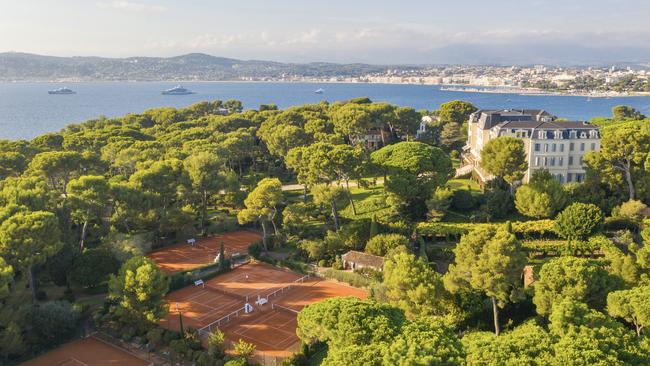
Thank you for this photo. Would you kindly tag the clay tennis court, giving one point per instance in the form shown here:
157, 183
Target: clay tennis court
224, 294
272, 326
183, 256
273, 331
89, 351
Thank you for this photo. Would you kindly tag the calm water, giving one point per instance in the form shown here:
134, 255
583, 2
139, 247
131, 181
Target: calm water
26, 110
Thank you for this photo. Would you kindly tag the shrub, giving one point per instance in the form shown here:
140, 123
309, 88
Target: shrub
236, 362
382, 243
463, 200
578, 221
93, 267
498, 203
52, 323
632, 210
351, 278
244, 349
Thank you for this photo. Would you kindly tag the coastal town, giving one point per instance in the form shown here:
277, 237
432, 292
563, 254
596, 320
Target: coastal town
538, 79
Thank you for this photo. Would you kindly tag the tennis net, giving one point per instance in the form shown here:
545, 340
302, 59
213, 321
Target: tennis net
227, 293
283, 308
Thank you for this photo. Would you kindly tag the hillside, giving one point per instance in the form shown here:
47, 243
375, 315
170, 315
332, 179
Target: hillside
195, 66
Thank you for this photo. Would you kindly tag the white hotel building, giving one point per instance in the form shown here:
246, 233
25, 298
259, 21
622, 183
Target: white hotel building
556, 146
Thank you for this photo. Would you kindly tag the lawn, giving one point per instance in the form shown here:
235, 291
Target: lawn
369, 202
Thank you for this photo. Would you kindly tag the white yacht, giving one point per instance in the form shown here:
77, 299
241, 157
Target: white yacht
63, 90
319, 91
177, 90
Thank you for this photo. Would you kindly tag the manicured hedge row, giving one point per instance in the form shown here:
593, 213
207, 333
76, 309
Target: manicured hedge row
186, 278
351, 278
523, 229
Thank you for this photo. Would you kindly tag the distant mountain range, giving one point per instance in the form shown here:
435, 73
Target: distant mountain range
196, 66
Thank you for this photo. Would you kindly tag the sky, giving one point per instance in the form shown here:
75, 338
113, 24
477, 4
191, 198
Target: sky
377, 32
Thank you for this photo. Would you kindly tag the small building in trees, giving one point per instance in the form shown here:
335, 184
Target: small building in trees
555, 145
356, 260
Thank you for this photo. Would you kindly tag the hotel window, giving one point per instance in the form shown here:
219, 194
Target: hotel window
570, 160
561, 147
572, 134
569, 177
571, 146
553, 147
552, 161
583, 135
541, 134
538, 147
581, 160
545, 161
560, 178
545, 147
593, 146
582, 146
537, 161
558, 134
560, 161
593, 134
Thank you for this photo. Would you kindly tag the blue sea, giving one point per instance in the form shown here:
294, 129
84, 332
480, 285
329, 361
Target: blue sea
27, 110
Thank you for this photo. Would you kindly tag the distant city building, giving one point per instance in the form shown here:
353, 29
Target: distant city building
556, 146
424, 122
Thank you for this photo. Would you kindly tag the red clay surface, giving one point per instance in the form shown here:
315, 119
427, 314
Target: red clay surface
88, 351
183, 257
202, 306
273, 331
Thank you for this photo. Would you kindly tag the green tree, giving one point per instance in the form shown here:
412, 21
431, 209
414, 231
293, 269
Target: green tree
88, 197
439, 203
329, 194
11, 341
587, 337
542, 197
622, 112
620, 160
205, 172
456, 111
411, 285
52, 323
168, 186
381, 244
6, 278
137, 291
244, 349
28, 239
93, 266
578, 221
578, 279
216, 344
491, 261
505, 158
415, 171
631, 305
352, 121
261, 205
58, 167
425, 342
527, 344
346, 321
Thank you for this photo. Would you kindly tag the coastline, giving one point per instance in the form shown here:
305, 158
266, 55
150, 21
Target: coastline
460, 88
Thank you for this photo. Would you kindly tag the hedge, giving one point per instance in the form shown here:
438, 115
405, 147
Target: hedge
351, 278
186, 278
523, 229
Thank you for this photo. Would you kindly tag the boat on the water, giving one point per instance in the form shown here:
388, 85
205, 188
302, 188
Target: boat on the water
177, 90
63, 90
319, 91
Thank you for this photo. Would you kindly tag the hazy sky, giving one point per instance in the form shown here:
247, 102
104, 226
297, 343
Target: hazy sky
375, 31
